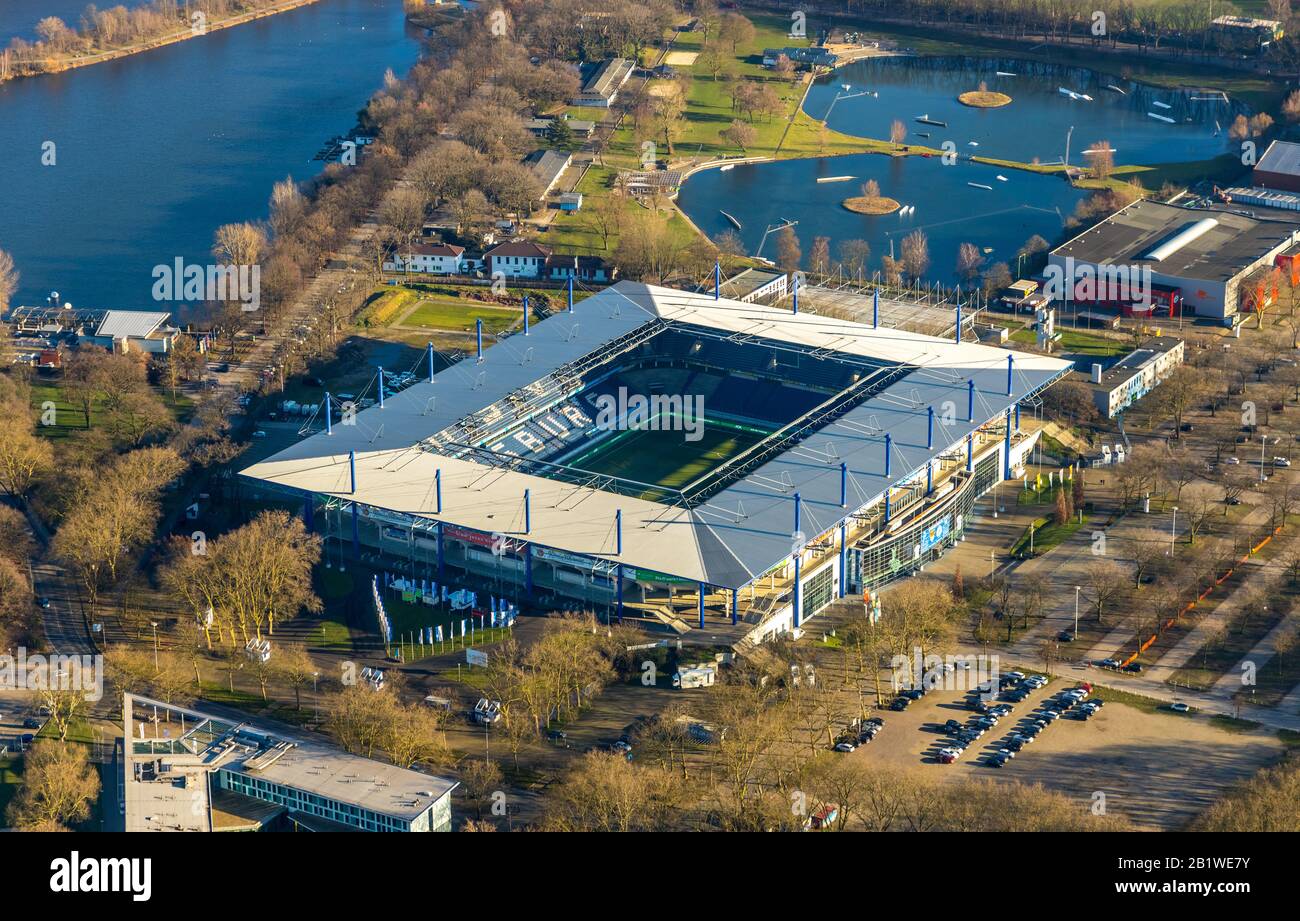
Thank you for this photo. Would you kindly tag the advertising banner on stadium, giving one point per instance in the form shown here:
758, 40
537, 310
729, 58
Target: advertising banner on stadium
649, 575
563, 558
936, 533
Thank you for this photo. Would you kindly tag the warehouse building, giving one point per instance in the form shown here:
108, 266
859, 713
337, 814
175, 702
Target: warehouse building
1279, 167
1151, 260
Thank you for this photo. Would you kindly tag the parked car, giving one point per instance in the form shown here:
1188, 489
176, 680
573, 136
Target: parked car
1108, 663
845, 747
31, 722
1281, 462
949, 755
1232, 460
1000, 757
1050, 715
900, 703
952, 726
1134, 668
1180, 707
1065, 636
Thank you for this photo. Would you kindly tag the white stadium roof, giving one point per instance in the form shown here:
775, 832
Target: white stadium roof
737, 533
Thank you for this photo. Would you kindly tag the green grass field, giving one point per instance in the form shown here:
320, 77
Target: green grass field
666, 458
460, 315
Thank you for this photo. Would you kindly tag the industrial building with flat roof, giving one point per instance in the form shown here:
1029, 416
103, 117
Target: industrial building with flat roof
777, 460
1196, 259
180, 763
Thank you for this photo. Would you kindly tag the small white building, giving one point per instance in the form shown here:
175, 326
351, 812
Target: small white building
124, 331
429, 259
1135, 375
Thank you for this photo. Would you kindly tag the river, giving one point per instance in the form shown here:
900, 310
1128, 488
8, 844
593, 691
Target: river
153, 152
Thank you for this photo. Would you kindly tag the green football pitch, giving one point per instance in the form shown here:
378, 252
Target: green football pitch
666, 458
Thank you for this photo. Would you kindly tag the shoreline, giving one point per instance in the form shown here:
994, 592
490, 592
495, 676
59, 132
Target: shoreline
162, 41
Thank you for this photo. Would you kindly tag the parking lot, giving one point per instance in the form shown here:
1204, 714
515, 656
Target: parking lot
1158, 769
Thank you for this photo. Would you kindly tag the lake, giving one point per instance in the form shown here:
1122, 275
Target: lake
1036, 123
155, 151
949, 211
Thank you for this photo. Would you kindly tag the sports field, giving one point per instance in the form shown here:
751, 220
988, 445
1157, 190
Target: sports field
665, 458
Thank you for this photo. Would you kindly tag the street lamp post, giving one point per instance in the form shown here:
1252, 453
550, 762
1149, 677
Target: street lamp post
1077, 590
1263, 440
1173, 530
154, 624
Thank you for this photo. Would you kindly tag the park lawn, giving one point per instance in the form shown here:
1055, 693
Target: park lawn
452, 314
1221, 170
69, 420
386, 305
11, 776
1047, 535
578, 232
1074, 342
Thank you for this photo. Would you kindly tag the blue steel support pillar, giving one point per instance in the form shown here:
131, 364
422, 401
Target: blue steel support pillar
798, 564
970, 400
570, 294
875, 309
478, 337
352, 471
381, 388
528, 512
525, 314
618, 532
618, 578
929, 428
844, 558
957, 336
329, 416
1010, 363
717, 280
929, 478
887, 515
701, 605
437, 490
796, 291
889, 446
970, 453
429, 354
844, 485
1006, 451
1017, 417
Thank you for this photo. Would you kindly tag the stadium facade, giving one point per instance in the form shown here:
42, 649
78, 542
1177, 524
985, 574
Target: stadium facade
693, 461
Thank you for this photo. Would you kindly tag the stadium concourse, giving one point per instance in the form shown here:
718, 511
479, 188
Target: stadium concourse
695, 462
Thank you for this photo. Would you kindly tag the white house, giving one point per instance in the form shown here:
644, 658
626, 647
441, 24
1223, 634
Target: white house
519, 259
428, 258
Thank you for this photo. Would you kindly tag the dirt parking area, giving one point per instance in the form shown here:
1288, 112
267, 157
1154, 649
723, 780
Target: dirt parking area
1156, 769
681, 58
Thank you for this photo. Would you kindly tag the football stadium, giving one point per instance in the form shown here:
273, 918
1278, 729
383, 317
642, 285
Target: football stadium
696, 463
